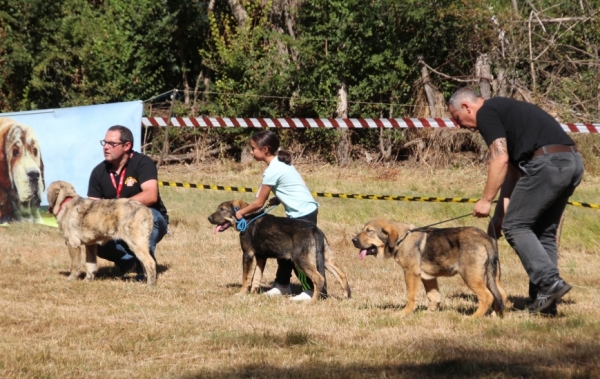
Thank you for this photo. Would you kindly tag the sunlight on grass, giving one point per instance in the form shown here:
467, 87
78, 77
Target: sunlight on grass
194, 325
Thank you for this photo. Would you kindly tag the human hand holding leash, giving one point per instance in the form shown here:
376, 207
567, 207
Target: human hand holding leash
482, 208
239, 215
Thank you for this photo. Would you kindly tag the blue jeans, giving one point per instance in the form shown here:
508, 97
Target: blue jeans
117, 250
535, 209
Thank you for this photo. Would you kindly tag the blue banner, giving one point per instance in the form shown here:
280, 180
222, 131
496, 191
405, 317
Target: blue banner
39, 147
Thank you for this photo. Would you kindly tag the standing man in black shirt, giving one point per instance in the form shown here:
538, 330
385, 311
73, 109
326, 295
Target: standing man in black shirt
536, 165
127, 174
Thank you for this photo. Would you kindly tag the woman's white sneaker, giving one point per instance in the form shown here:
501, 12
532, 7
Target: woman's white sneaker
304, 296
279, 290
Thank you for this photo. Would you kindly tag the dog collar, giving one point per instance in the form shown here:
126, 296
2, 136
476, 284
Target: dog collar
65, 201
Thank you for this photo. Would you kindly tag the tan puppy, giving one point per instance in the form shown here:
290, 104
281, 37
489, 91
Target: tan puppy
90, 222
431, 253
21, 172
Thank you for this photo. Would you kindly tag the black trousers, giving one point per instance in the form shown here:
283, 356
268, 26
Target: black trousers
286, 266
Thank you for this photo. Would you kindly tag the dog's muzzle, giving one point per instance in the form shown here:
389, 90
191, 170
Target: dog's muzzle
222, 227
371, 250
364, 252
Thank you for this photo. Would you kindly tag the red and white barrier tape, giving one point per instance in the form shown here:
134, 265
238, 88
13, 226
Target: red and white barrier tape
327, 123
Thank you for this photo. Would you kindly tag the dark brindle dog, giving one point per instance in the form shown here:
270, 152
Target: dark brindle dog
283, 238
430, 253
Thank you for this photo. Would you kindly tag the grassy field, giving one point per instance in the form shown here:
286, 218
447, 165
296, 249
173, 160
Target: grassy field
193, 325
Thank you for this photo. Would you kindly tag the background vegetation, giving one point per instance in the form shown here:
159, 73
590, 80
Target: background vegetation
301, 58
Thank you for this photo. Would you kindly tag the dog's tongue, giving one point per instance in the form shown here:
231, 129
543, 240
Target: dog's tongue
218, 229
362, 254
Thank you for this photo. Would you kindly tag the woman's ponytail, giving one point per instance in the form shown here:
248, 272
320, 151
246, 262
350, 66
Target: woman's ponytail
284, 156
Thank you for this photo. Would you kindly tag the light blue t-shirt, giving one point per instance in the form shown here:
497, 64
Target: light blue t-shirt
287, 184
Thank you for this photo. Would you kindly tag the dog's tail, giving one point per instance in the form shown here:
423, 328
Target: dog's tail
492, 272
320, 249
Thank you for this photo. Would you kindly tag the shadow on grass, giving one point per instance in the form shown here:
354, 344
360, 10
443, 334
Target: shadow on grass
575, 363
111, 273
519, 304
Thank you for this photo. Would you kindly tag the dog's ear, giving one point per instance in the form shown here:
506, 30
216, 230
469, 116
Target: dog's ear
239, 204
392, 233
59, 191
52, 195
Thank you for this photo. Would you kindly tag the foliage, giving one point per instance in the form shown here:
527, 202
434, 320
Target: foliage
289, 58
75, 52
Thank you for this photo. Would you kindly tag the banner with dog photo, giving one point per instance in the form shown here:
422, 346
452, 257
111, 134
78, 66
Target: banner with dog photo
39, 147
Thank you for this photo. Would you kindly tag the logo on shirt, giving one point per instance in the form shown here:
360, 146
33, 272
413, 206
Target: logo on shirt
130, 181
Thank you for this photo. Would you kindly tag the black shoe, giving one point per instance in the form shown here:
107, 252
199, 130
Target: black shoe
548, 295
533, 291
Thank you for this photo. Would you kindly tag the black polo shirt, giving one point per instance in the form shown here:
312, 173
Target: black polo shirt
525, 126
138, 170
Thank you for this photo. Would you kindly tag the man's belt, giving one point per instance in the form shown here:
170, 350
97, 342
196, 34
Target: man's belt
551, 149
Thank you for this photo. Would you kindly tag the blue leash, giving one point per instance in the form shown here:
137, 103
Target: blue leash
242, 225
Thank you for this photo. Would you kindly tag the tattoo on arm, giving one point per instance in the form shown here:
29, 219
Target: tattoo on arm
498, 147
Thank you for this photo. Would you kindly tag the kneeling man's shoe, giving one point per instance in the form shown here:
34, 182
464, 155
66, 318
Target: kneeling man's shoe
548, 295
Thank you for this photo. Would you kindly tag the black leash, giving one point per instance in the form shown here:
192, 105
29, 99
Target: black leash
428, 226
441, 222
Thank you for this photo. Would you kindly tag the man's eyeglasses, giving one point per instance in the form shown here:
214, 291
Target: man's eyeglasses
111, 144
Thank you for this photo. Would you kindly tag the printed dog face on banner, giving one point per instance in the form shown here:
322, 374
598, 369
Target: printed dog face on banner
21, 172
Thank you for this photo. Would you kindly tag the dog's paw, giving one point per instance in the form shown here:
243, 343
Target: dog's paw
433, 307
72, 277
495, 314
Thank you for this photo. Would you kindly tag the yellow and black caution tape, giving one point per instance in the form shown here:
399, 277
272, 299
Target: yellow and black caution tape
207, 186
353, 196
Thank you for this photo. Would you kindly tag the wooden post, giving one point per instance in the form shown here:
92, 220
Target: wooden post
165, 148
343, 150
501, 80
483, 71
428, 88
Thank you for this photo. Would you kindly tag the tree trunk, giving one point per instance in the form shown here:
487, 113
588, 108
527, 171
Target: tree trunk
531, 62
186, 89
165, 148
515, 7
385, 145
501, 80
428, 88
193, 109
343, 150
238, 12
206, 91
483, 71
342, 107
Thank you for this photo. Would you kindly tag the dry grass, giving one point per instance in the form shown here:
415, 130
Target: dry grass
192, 325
